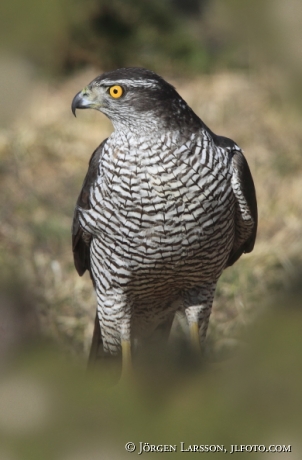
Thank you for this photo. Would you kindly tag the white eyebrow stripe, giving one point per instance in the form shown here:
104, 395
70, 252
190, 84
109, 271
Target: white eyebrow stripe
129, 82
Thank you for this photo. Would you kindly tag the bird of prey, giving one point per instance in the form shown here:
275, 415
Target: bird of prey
165, 207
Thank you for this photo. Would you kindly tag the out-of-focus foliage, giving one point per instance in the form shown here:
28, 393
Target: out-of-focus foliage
151, 33
258, 35
179, 37
36, 30
174, 36
64, 35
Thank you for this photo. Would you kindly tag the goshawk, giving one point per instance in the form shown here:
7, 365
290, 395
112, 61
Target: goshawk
165, 207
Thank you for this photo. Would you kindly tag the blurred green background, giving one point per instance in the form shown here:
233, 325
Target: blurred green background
239, 65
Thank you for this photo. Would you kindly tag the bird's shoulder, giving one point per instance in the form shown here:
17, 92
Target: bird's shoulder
224, 142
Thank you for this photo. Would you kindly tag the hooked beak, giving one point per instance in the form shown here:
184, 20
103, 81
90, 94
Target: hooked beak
80, 102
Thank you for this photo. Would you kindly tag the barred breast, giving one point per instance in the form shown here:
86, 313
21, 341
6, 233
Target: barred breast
162, 221
155, 206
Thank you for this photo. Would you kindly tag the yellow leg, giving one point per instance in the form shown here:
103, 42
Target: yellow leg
126, 359
194, 336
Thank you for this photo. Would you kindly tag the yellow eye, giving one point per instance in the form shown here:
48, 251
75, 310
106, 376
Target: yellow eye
116, 91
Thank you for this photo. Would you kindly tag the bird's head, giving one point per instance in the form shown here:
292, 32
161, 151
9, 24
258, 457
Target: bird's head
134, 96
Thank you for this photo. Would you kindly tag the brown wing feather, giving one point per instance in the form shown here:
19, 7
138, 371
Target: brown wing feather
80, 239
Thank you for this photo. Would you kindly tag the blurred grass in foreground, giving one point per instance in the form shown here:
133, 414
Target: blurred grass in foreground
51, 409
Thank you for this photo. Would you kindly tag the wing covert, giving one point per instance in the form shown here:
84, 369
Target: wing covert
246, 216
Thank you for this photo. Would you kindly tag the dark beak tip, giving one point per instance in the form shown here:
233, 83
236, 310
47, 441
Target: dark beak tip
75, 103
